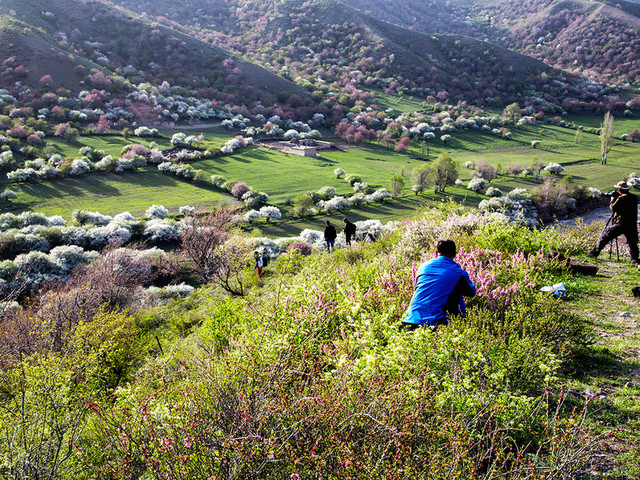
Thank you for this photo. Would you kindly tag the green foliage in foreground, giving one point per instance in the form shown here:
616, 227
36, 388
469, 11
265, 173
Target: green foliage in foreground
309, 376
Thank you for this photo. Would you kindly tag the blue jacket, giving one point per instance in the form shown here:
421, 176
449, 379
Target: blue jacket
436, 281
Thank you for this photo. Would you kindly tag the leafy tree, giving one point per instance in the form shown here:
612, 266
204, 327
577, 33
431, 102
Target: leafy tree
403, 145
606, 136
397, 184
634, 135
486, 171
579, 137
512, 112
443, 172
515, 169
216, 256
303, 206
420, 178
387, 141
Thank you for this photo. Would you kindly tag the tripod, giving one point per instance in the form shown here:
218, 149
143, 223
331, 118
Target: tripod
611, 243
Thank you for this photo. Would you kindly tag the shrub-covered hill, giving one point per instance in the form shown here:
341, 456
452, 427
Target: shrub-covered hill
70, 40
308, 375
599, 38
326, 42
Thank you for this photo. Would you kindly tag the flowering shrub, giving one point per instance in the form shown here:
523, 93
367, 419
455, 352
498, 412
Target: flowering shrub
478, 185
217, 180
373, 227
8, 194
161, 230
334, 205
96, 218
303, 248
357, 199
379, 196
23, 175
156, 296
254, 199
516, 208
360, 187
633, 180
6, 158
338, 172
493, 192
554, 168
327, 193
69, 257
132, 163
145, 132
107, 163
270, 213
239, 189
79, 167
252, 216
352, 179
502, 279
311, 236
156, 211
100, 237
123, 217
178, 138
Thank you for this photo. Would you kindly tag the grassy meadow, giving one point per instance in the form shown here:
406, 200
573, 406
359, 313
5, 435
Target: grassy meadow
284, 176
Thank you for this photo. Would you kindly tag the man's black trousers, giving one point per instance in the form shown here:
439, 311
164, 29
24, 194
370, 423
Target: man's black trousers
614, 231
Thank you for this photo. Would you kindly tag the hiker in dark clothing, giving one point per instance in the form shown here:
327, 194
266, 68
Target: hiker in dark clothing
349, 230
624, 221
330, 235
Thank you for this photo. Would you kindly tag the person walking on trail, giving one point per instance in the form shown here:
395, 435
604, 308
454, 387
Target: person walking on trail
349, 230
330, 235
441, 285
259, 264
624, 221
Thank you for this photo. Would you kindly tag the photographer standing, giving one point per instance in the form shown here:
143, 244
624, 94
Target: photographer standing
624, 206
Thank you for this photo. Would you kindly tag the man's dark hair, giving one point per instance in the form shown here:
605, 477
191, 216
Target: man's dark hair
328, 223
345, 219
446, 248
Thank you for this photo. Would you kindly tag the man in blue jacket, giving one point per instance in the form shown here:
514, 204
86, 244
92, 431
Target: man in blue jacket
440, 286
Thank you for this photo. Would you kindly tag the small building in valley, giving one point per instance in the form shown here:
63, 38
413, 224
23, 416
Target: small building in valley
302, 150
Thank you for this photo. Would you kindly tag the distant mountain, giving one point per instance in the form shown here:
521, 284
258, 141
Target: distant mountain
71, 39
326, 42
599, 38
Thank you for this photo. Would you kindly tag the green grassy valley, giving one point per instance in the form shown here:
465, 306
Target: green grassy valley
175, 303
264, 170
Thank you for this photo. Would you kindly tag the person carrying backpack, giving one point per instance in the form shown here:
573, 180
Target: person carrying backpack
259, 264
349, 230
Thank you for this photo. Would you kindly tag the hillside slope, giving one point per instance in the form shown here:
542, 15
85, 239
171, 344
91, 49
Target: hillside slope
327, 42
70, 37
600, 38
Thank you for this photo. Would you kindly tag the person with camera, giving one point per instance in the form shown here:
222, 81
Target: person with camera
441, 285
624, 221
